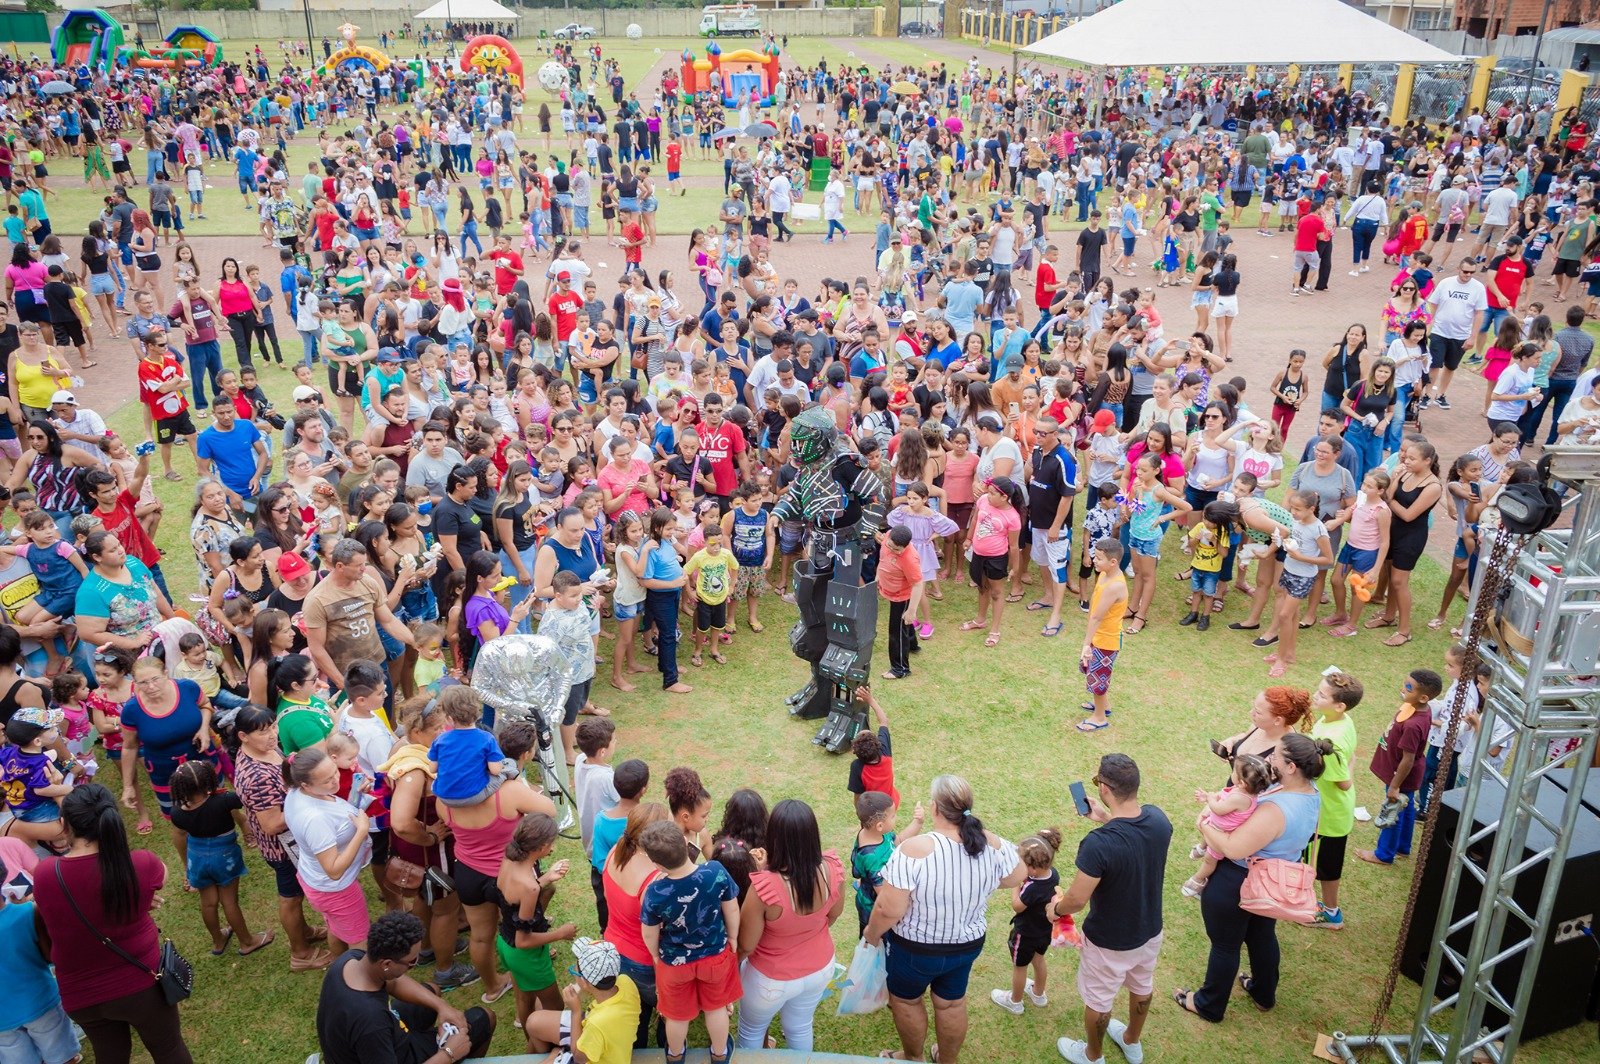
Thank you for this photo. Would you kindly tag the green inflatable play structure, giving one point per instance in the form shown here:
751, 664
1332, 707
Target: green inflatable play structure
87, 37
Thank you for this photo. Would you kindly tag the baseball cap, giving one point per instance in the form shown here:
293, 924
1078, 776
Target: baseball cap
1103, 419
388, 354
39, 718
597, 960
63, 397
304, 391
1460, 179
908, 315
292, 566
1014, 362
564, 275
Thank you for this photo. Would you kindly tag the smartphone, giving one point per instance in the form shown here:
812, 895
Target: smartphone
1079, 799
1220, 750
1015, 409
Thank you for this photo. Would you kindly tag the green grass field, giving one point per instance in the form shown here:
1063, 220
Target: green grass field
1001, 717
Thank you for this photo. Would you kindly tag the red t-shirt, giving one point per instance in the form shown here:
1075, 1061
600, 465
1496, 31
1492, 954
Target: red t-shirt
324, 221
121, 523
1410, 735
152, 375
720, 445
674, 157
878, 776
1044, 285
88, 973
564, 307
507, 271
898, 574
631, 232
1509, 274
1308, 232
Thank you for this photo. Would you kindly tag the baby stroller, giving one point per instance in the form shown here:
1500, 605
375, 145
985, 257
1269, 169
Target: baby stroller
525, 677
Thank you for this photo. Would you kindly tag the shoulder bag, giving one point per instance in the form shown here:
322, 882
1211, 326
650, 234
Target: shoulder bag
1279, 890
174, 975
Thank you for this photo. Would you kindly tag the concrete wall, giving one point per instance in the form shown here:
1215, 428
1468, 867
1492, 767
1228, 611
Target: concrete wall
286, 19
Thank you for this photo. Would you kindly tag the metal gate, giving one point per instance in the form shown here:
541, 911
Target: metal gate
1375, 80
1439, 93
1515, 87
1589, 105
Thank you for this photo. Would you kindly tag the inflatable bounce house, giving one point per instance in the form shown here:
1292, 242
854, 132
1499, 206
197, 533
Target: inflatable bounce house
88, 38
186, 46
490, 54
351, 58
733, 77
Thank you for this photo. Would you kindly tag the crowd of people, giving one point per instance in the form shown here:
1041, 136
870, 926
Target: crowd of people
494, 435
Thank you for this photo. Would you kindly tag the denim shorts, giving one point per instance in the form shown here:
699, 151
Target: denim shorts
912, 972
214, 862
1205, 583
625, 612
102, 284
1296, 586
1359, 561
1149, 548
46, 1037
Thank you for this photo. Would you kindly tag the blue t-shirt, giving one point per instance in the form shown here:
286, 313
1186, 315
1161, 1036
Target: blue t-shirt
863, 364
245, 159
663, 564
16, 231
128, 608
604, 834
943, 356
463, 756
961, 305
233, 452
30, 984
689, 912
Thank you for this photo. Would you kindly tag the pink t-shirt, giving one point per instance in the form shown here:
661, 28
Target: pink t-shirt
613, 478
992, 528
958, 476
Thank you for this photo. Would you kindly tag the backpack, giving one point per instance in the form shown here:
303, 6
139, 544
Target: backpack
1279, 890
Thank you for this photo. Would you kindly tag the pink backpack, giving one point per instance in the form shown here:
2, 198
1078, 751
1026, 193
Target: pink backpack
1279, 890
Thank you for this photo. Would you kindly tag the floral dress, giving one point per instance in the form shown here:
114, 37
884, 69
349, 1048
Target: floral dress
210, 534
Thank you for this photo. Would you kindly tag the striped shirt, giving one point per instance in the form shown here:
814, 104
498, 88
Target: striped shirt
949, 890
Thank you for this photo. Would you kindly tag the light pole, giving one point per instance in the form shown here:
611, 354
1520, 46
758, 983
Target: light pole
311, 46
1538, 43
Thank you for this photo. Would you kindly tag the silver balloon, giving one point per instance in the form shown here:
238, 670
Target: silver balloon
525, 677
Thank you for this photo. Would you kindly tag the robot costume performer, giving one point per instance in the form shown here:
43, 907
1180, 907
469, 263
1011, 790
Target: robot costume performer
837, 498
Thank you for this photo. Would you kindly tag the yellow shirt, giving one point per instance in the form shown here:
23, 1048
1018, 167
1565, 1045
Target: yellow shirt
609, 1027
713, 576
1207, 544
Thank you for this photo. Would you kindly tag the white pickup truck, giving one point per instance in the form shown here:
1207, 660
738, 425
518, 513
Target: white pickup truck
730, 20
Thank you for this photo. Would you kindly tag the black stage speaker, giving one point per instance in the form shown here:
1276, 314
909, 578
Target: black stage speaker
1568, 970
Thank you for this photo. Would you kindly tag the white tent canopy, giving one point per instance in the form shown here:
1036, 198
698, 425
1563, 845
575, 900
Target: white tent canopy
1234, 33
469, 10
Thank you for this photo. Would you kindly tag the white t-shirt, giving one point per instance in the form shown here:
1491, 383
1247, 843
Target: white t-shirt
1514, 381
372, 736
1454, 302
319, 825
1498, 205
779, 195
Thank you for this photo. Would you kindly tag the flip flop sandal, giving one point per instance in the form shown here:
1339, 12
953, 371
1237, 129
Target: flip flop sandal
720, 659
1088, 707
227, 936
144, 827
1091, 726
495, 995
263, 940
1035, 606
1050, 631
1013, 598
757, 627
1185, 1001
1397, 640
1245, 983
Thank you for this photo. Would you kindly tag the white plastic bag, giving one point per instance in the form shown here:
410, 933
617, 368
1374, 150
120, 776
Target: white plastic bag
865, 986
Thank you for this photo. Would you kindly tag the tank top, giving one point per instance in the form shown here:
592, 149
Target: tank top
1108, 634
1291, 387
1300, 813
579, 560
482, 849
1210, 463
629, 591
1142, 524
56, 484
511, 922
393, 436
794, 946
33, 387
622, 923
749, 537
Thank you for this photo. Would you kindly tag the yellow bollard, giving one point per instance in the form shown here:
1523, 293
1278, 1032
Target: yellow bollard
1570, 94
1405, 83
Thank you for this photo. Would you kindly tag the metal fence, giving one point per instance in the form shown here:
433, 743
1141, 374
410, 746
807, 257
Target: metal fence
1375, 80
1440, 92
1516, 87
1589, 105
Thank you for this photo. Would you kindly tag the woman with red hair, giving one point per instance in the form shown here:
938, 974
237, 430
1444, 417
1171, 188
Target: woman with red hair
1276, 712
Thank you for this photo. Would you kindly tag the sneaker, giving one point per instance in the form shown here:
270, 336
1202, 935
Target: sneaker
1205, 622
1077, 1051
1004, 999
1189, 618
1328, 919
1389, 813
1364, 269
1444, 402
925, 630
1039, 1000
455, 976
1355, 273
1294, 292
1132, 1052
1422, 404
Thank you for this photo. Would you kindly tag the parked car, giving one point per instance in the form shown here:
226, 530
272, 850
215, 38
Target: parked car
572, 31
919, 29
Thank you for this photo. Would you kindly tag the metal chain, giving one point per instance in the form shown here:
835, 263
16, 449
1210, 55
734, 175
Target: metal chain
1498, 568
